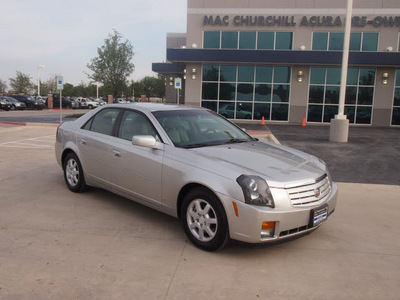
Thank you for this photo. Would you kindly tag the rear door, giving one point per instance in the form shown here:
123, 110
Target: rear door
94, 145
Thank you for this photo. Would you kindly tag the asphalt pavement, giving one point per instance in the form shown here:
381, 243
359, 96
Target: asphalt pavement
371, 155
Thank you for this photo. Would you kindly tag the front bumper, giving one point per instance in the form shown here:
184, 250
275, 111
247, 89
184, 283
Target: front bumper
246, 226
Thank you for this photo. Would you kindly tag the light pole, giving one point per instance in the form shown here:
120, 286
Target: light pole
97, 89
38, 79
339, 130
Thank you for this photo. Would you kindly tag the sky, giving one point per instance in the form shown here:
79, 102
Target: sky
64, 36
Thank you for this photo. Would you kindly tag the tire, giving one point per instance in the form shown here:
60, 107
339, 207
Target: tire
73, 173
204, 220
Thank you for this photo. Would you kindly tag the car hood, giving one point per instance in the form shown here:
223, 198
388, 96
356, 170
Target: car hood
279, 165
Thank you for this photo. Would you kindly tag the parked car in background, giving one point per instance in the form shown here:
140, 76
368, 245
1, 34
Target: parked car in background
29, 101
75, 103
15, 104
42, 98
65, 102
100, 101
194, 164
5, 104
88, 103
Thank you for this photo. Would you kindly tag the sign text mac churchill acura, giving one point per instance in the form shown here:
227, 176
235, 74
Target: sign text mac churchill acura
313, 21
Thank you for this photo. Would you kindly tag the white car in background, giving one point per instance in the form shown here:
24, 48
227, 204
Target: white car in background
88, 103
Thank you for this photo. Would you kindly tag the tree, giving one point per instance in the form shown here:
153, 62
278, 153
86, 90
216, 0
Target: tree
81, 90
3, 86
137, 89
113, 64
50, 85
153, 87
22, 83
68, 89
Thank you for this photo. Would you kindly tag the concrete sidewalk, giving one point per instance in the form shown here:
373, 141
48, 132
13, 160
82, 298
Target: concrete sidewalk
55, 244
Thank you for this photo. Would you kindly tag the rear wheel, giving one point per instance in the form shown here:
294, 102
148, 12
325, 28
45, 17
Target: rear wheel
73, 173
204, 220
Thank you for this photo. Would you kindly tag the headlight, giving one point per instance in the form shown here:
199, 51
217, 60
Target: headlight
256, 190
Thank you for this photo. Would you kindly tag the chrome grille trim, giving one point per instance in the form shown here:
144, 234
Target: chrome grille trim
310, 194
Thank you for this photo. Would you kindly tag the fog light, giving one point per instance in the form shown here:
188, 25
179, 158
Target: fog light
267, 230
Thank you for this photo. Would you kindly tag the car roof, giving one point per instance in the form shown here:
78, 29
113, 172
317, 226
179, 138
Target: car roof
152, 107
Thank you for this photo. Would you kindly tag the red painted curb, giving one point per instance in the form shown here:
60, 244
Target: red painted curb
13, 123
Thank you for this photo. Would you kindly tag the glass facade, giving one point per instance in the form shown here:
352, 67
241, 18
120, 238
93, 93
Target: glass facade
247, 91
248, 40
333, 41
323, 100
396, 101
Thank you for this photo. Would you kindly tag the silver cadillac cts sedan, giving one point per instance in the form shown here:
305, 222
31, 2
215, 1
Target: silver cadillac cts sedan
195, 165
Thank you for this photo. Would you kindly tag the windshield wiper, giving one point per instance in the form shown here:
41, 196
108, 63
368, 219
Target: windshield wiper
215, 143
198, 145
233, 141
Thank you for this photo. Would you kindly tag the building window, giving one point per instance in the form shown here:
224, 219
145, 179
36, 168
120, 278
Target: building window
333, 41
229, 40
248, 40
323, 100
396, 101
283, 40
266, 40
212, 39
247, 91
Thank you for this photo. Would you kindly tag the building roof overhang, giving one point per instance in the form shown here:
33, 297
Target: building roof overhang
167, 68
281, 57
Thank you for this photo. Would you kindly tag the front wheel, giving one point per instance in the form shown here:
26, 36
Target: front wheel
204, 220
73, 173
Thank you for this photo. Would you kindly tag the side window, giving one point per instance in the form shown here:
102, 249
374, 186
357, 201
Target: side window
134, 123
103, 122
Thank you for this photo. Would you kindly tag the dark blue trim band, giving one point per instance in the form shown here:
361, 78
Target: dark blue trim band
166, 68
281, 57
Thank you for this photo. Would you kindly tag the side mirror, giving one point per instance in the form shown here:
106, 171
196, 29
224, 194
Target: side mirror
147, 141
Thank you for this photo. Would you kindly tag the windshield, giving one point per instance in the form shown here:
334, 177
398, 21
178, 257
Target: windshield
199, 128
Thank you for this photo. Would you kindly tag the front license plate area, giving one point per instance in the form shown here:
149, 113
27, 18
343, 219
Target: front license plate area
318, 215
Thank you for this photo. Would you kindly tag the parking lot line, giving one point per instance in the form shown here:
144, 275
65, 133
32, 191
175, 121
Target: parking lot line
41, 142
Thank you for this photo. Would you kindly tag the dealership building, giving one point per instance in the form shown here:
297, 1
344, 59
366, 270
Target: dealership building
281, 60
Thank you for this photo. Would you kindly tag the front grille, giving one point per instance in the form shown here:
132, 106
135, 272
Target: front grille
299, 230
310, 194
294, 231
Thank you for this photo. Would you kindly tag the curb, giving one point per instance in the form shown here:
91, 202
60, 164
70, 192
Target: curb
29, 124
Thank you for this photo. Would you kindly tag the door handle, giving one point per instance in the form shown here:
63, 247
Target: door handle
116, 153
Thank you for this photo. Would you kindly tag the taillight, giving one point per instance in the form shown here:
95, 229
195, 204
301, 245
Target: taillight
57, 133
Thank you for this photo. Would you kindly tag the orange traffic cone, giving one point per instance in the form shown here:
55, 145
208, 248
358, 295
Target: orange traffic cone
262, 121
304, 122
